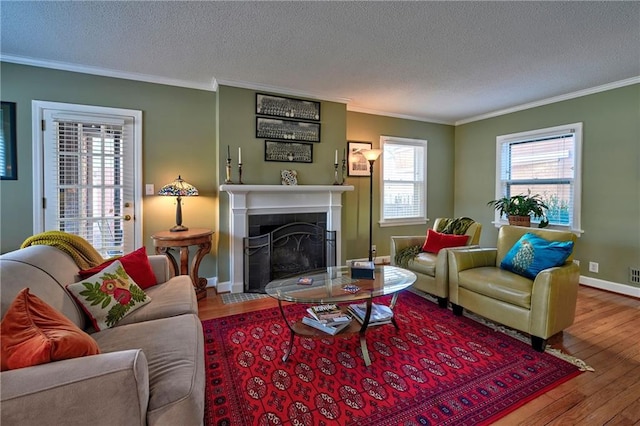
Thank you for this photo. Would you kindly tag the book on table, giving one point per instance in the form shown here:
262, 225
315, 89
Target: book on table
332, 328
328, 313
380, 314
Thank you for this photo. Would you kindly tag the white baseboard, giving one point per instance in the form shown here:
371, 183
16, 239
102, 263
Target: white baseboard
627, 290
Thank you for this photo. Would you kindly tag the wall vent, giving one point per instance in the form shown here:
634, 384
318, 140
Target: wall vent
634, 275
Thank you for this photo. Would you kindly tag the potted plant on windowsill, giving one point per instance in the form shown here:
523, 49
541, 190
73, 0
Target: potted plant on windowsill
520, 208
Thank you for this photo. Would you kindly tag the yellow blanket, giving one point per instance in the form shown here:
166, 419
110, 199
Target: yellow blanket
77, 247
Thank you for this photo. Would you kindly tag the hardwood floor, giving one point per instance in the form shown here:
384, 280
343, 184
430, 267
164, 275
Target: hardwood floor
606, 335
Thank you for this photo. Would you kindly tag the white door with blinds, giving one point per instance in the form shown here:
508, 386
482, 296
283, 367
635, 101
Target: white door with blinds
89, 174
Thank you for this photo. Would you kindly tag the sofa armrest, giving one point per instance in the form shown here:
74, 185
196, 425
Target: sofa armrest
467, 258
105, 389
404, 241
442, 264
160, 266
553, 299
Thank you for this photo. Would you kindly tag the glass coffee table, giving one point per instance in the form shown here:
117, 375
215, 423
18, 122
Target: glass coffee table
330, 285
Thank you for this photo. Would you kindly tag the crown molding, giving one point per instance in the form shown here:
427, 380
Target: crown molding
105, 72
281, 91
215, 84
552, 100
353, 108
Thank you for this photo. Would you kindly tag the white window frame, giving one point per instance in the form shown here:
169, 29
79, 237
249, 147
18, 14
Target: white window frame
38, 114
422, 218
574, 128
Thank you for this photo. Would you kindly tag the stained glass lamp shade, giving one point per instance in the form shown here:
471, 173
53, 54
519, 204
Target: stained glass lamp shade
178, 188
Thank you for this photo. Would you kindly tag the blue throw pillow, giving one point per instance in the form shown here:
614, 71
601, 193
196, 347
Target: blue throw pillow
531, 254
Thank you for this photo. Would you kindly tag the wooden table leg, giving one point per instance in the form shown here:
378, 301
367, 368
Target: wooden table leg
199, 283
173, 265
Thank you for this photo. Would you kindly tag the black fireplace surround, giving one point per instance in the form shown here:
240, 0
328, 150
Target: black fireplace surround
282, 245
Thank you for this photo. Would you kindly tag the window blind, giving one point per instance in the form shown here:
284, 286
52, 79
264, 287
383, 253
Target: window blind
403, 176
543, 163
87, 161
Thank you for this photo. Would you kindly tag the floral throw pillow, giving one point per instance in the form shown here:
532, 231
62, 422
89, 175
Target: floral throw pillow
108, 296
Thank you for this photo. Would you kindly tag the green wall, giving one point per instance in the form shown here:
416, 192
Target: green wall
610, 174
440, 173
178, 138
185, 129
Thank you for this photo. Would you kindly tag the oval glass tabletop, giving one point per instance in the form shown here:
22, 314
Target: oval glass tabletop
335, 285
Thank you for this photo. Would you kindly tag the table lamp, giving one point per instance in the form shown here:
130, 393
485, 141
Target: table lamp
178, 188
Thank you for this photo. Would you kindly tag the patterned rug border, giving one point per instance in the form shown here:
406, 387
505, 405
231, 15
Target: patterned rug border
583, 366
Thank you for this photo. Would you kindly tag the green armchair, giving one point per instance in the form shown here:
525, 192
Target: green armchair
541, 307
431, 269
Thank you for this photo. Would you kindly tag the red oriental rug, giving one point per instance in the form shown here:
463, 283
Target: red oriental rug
436, 369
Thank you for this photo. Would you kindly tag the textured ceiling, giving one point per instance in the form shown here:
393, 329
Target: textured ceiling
439, 61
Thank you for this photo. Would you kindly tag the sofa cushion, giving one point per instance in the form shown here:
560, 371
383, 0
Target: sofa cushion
108, 296
46, 271
175, 297
174, 348
136, 264
498, 284
436, 241
532, 254
424, 263
32, 333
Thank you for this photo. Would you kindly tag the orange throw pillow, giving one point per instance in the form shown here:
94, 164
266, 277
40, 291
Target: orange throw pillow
436, 241
32, 333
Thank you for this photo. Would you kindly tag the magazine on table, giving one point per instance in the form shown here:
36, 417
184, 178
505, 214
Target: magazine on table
328, 313
380, 314
332, 328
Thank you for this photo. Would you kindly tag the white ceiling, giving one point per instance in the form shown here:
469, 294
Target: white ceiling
436, 61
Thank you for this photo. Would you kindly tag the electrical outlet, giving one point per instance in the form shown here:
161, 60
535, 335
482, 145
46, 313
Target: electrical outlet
373, 248
149, 189
593, 267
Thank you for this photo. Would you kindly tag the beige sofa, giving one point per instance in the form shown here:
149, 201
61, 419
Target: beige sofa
151, 367
431, 270
540, 307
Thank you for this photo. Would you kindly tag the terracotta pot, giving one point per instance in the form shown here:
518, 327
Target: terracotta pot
520, 221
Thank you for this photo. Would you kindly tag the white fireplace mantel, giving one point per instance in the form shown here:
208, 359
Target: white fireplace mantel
247, 200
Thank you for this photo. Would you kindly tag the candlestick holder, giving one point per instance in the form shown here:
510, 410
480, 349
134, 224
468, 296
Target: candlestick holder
228, 179
335, 174
344, 170
240, 173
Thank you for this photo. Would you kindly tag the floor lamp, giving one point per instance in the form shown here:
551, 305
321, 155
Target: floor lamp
371, 155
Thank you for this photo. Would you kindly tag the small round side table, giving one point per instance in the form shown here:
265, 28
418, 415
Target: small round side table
164, 241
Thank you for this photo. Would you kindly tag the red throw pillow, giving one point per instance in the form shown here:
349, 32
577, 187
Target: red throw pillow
136, 265
436, 241
32, 333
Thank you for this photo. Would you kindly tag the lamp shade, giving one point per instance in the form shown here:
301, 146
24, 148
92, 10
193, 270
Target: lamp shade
372, 154
178, 188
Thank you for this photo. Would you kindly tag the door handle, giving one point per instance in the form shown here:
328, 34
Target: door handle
127, 217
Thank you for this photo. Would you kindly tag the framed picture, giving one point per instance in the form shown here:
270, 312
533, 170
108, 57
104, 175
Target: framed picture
272, 128
8, 150
288, 152
358, 165
278, 106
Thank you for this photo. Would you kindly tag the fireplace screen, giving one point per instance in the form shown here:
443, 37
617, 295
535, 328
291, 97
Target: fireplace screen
290, 249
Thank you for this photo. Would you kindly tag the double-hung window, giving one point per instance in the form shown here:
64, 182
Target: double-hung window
544, 162
404, 181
